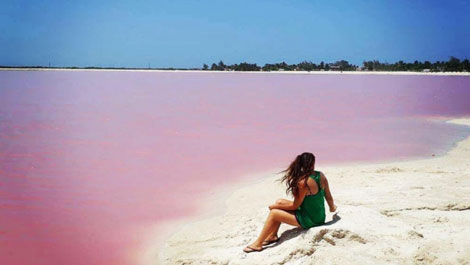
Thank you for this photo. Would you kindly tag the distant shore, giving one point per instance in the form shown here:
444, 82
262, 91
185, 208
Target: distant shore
407, 212
245, 72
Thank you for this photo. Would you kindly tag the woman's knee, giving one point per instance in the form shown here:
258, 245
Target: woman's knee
274, 213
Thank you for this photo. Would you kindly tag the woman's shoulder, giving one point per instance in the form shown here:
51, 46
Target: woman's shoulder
323, 180
301, 184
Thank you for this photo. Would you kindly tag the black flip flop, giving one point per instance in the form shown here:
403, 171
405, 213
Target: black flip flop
251, 249
267, 242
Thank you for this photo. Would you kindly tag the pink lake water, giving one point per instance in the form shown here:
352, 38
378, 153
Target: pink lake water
88, 158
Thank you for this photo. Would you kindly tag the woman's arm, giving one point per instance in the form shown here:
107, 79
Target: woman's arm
297, 200
328, 197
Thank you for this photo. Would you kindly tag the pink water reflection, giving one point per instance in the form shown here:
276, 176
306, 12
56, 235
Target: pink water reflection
87, 157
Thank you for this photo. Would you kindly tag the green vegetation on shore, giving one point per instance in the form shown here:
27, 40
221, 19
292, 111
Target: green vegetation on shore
452, 65
303, 66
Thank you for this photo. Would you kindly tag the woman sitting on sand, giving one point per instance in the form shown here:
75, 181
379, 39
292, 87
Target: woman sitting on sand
309, 188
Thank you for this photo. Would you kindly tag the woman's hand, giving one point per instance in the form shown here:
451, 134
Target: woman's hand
272, 206
333, 209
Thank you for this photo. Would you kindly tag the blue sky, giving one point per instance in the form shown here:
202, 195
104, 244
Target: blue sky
189, 33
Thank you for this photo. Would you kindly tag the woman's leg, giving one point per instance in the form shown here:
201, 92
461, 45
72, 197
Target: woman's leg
275, 218
273, 235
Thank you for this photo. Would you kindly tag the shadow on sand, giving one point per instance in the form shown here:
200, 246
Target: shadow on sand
294, 232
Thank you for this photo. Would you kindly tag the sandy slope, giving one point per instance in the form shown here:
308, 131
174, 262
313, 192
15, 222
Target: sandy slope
413, 212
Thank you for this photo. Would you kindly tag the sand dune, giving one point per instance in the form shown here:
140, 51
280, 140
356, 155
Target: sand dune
413, 212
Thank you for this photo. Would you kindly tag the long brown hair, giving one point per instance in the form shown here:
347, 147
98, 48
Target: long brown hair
299, 169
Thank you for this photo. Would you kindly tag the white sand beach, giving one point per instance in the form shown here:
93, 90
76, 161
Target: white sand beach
407, 212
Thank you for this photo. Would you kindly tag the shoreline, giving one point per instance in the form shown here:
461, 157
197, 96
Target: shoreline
247, 72
180, 245
151, 249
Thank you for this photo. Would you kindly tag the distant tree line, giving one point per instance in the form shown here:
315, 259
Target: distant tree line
303, 66
452, 65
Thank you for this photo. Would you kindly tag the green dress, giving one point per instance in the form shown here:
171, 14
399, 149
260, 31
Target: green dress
312, 210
